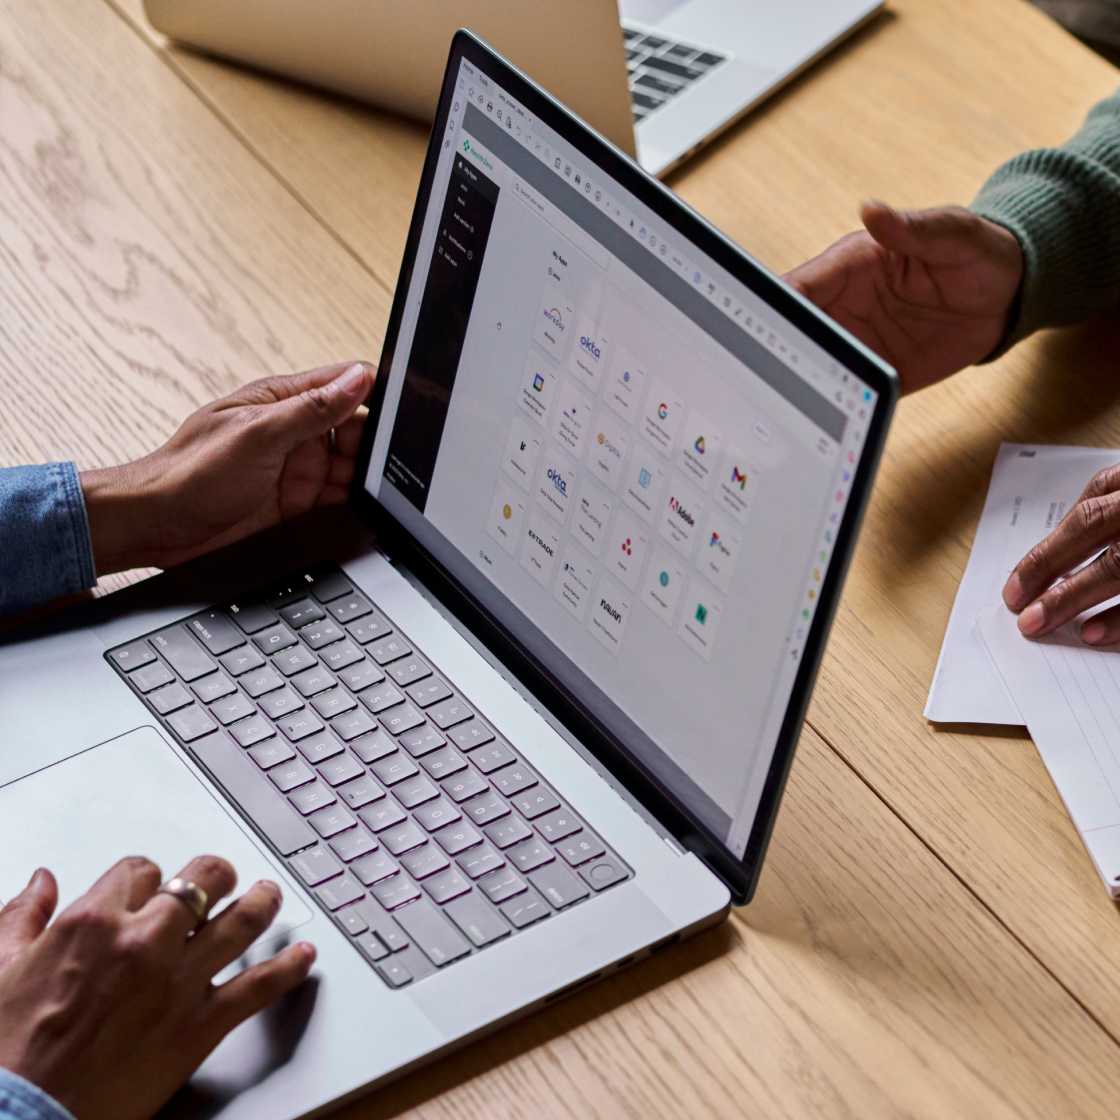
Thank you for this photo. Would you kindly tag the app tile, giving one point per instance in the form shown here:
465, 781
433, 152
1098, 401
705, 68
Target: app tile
607, 447
626, 385
735, 485
608, 614
627, 547
538, 387
572, 417
719, 549
539, 547
663, 584
507, 516
554, 321
644, 482
522, 452
681, 510
663, 416
700, 450
556, 480
593, 512
700, 619
576, 581
590, 354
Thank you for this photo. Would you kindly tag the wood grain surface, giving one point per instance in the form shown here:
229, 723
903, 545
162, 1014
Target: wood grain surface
929, 938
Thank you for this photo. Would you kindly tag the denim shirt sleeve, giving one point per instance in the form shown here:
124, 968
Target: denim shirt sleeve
20, 1100
45, 548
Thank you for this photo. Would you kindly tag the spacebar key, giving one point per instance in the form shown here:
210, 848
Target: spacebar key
253, 793
432, 932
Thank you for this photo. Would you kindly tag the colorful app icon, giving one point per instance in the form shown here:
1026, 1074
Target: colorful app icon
701, 615
738, 478
644, 478
662, 410
663, 578
698, 446
538, 382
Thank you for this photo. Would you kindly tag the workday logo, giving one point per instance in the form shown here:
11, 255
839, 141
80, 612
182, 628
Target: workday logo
552, 314
559, 482
590, 346
680, 511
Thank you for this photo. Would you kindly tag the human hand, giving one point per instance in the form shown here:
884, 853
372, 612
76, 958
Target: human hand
111, 1008
1091, 525
238, 465
928, 290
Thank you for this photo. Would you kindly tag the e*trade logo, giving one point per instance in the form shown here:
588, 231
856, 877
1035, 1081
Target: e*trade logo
558, 481
699, 446
662, 411
466, 145
738, 478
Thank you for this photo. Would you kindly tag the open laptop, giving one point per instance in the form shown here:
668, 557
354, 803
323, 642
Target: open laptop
666, 80
523, 713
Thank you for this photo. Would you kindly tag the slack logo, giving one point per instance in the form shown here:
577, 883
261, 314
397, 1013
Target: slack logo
559, 482
681, 512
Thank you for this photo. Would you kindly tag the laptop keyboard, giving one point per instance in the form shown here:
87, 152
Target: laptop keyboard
421, 832
660, 69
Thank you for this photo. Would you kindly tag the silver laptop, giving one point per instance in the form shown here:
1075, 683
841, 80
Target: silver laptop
669, 78
522, 714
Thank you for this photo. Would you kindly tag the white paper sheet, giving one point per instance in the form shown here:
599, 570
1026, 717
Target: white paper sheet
1069, 697
1032, 487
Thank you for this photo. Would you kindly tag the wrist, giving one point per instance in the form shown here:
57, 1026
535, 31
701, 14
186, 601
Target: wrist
121, 505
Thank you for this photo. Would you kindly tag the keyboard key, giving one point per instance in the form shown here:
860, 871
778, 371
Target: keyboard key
513, 779
316, 865
299, 725
373, 950
254, 617
132, 656
656, 83
360, 792
462, 786
449, 712
313, 681
428, 692
191, 723
309, 797
360, 675
331, 586
394, 973
408, 670
478, 861
486, 808
232, 708
189, 660
493, 757
580, 847
400, 719
505, 833
424, 861
280, 703
443, 763
349, 608
167, 700
381, 697
251, 730
536, 802
301, 612
502, 884
352, 843
603, 873
271, 753
369, 748
334, 703
215, 631
340, 769
294, 660
374, 867
153, 675
331, 821
558, 824
645, 101
436, 814
395, 891
341, 654
558, 885
456, 838
447, 885
340, 891
529, 854
706, 58
352, 724
420, 740
402, 837
385, 814
467, 736
525, 909
435, 936
350, 920
477, 920
389, 649
680, 52
291, 775
652, 43
393, 768
414, 791
239, 661
320, 634
259, 681
274, 639
368, 629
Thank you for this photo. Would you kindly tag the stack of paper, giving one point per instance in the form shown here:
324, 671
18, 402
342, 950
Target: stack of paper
1066, 693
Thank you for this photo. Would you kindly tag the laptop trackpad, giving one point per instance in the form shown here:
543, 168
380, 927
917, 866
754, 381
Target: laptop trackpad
130, 796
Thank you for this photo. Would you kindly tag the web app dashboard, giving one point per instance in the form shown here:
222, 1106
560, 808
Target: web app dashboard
597, 449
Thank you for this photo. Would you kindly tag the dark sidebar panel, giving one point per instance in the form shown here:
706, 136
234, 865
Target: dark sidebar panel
441, 327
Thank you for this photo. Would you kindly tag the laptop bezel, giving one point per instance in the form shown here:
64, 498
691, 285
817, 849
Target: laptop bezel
739, 875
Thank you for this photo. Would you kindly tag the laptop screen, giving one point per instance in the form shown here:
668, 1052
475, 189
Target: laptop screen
631, 460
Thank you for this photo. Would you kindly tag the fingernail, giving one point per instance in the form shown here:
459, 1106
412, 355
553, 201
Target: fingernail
309, 952
1013, 591
36, 875
1094, 632
350, 381
274, 890
1032, 619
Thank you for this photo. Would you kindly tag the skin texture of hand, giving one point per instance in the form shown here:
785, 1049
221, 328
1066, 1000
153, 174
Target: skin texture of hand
110, 1008
928, 290
1091, 525
236, 466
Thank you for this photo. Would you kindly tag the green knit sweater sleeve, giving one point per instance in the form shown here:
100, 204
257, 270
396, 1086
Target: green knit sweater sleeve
1063, 205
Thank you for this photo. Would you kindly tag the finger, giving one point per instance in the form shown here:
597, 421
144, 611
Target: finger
936, 235
1087, 528
823, 278
127, 885
26, 916
1102, 629
1095, 583
348, 436
172, 916
341, 471
259, 987
309, 405
236, 928
332, 495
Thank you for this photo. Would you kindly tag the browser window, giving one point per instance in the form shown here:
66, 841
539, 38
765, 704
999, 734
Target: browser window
625, 455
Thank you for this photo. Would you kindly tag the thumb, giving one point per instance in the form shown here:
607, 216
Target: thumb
940, 235
27, 915
312, 403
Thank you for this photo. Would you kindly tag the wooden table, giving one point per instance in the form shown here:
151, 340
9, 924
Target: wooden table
929, 938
